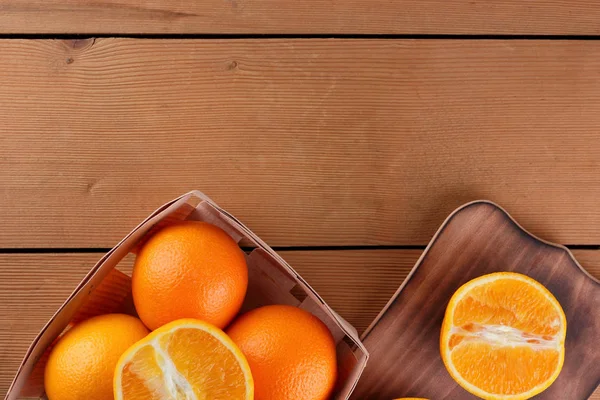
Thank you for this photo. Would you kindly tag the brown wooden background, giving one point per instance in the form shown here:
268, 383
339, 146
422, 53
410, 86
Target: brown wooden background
341, 132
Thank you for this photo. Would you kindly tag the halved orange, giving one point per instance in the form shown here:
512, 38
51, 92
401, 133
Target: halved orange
503, 337
185, 359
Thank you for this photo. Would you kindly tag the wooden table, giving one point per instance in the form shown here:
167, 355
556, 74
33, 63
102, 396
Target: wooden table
341, 132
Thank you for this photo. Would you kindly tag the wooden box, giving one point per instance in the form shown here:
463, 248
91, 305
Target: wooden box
271, 281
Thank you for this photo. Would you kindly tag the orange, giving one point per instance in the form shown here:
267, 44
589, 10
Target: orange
503, 337
189, 270
185, 359
81, 364
291, 353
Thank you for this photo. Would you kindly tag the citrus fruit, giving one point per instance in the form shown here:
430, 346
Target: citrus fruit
82, 362
503, 337
291, 353
184, 359
190, 269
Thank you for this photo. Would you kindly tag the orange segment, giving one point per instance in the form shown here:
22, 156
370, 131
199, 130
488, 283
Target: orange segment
185, 359
503, 337
515, 369
509, 302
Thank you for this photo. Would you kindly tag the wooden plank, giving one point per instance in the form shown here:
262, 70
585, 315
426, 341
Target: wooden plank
556, 17
357, 284
309, 142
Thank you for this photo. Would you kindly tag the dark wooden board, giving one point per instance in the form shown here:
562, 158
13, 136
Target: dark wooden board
477, 239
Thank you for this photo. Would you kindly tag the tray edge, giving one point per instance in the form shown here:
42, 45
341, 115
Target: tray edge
365, 334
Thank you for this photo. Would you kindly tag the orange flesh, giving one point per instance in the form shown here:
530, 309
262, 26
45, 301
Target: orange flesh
510, 303
508, 370
180, 363
505, 337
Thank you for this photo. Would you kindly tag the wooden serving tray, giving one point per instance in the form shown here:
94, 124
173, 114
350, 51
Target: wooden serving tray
477, 239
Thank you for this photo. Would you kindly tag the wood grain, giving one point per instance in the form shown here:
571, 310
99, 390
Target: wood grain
33, 286
556, 17
478, 239
357, 284
309, 142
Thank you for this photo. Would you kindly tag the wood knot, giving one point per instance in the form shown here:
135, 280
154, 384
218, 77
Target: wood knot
232, 65
80, 44
91, 186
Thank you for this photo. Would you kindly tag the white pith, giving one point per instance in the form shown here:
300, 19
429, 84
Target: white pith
176, 385
506, 336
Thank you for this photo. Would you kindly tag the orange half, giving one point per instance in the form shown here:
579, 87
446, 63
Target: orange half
503, 337
186, 359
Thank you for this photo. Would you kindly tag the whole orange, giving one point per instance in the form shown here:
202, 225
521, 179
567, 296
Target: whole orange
291, 353
190, 269
82, 363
